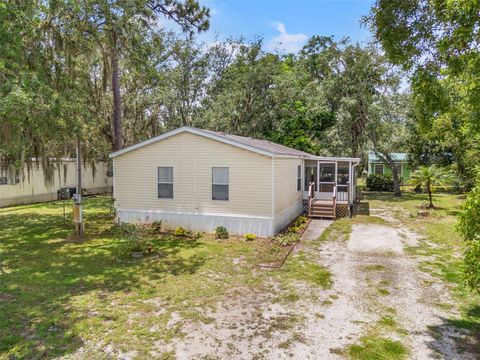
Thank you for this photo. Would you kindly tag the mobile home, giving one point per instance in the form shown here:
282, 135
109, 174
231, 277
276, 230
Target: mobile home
200, 179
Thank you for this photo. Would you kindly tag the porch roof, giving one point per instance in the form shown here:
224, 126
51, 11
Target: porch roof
333, 158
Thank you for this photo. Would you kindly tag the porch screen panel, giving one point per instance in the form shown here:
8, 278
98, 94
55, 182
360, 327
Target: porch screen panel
343, 173
310, 176
327, 173
326, 187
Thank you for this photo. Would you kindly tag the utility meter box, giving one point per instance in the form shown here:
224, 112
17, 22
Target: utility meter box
77, 214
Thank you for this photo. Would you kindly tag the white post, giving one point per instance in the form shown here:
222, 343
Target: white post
77, 207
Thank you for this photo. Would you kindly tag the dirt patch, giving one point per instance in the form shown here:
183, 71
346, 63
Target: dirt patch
370, 238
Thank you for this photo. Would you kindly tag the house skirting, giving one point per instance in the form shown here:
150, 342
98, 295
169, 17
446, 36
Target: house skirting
235, 224
46, 197
286, 216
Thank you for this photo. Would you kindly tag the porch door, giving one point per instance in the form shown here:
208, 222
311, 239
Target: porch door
343, 181
326, 180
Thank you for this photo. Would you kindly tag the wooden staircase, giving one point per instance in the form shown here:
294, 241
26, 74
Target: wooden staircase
322, 210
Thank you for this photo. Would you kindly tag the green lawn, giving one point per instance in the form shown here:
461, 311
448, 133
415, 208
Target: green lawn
58, 292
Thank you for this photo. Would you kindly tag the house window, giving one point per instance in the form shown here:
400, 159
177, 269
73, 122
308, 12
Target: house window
299, 177
165, 182
220, 183
378, 169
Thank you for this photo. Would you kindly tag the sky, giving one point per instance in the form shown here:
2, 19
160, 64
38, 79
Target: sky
286, 25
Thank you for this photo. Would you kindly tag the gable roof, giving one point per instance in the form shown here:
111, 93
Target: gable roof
262, 147
395, 156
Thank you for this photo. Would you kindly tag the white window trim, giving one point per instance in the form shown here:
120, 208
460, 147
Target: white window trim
227, 184
166, 182
299, 188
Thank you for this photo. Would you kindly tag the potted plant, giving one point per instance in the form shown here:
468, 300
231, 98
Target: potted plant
136, 247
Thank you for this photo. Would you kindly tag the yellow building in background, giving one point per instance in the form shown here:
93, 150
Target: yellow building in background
30, 186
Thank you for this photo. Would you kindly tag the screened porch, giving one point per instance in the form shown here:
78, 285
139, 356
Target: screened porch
332, 177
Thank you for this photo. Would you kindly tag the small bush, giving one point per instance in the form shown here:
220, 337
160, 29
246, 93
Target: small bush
156, 227
124, 229
298, 224
250, 237
286, 239
379, 182
469, 227
221, 232
180, 231
136, 244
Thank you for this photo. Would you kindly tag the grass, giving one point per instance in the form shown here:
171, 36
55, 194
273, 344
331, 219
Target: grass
341, 228
300, 268
373, 347
376, 344
58, 293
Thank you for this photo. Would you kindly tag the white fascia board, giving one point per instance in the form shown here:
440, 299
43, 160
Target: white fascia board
333, 158
193, 131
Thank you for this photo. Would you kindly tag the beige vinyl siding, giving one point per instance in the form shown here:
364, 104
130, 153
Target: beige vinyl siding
33, 187
192, 157
286, 194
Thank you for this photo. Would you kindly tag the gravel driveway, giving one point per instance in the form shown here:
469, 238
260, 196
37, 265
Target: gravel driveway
377, 291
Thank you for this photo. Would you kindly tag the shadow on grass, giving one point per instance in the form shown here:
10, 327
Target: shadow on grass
42, 268
362, 208
463, 332
389, 197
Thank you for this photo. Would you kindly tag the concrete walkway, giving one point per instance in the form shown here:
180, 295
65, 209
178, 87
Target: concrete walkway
315, 229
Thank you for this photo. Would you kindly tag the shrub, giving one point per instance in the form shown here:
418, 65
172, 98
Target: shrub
124, 229
156, 227
221, 232
250, 237
180, 231
286, 239
469, 227
380, 182
301, 220
135, 244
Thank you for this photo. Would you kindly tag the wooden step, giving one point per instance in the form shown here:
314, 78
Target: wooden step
329, 208
315, 215
321, 213
322, 210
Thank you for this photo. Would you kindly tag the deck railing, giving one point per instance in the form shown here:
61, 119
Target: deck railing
311, 196
334, 205
343, 193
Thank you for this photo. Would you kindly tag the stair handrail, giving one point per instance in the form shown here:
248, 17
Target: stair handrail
311, 196
334, 201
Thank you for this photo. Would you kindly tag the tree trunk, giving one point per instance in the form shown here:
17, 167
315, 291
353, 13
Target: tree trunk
117, 100
429, 190
396, 180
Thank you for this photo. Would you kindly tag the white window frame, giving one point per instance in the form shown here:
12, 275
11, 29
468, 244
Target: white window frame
222, 184
299, 177
164, 182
